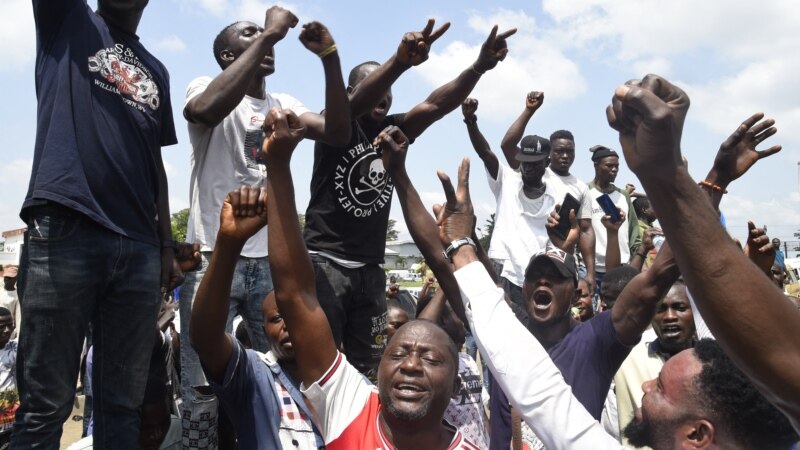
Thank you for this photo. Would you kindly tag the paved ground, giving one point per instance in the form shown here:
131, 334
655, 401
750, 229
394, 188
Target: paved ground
73, 428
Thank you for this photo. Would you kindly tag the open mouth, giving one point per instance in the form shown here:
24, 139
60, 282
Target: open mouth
542, 300
381, 108
671, 331
408, 391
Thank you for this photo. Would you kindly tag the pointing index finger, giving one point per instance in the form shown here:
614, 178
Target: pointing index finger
506, 34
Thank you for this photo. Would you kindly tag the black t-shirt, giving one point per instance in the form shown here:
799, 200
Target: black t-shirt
103, 113
351, 194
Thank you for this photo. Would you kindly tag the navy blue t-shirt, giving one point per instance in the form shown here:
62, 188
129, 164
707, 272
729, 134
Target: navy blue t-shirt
588, 357
103, 114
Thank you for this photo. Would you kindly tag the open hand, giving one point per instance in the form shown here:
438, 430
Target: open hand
738, 153
415, 45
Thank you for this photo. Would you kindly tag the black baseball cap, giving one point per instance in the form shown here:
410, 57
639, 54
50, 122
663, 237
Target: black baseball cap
563, 262
533, 149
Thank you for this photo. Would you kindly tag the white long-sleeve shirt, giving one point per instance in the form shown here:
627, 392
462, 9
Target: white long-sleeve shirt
523, 368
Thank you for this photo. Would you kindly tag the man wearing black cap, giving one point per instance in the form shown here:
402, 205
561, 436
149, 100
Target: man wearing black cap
606, 166
587, 354
557, 175
524, 203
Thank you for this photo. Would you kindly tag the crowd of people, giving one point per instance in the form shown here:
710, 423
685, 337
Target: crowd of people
596, 318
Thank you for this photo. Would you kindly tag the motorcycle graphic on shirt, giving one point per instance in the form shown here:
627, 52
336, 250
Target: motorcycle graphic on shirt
127, 76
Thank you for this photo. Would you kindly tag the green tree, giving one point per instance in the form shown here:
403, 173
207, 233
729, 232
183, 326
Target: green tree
179, 220
400, 262
302, 219
391, 233
488, 229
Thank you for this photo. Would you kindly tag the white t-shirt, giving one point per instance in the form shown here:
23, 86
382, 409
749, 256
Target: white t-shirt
561, 186
465, 410
600, 233
224, 158
519, 222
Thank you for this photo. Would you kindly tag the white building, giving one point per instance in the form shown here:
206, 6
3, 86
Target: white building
401, 254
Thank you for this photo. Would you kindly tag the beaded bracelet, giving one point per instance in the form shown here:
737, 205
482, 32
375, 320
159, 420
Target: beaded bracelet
712, 186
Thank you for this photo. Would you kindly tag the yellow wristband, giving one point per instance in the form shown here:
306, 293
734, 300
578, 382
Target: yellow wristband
327, 51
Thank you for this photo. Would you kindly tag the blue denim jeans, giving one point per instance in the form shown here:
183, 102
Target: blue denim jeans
73, 270
251, 283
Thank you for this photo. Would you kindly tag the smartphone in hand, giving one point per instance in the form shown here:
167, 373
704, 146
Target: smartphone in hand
569, 203
608, 207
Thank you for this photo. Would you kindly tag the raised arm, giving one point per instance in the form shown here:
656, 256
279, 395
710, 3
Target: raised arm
447, 97
412, 51
421, 225
613, 254
243, 213
292, 273
485, 153
519, 363
533, 101
229, 87
757, 335
636, 304
333, 125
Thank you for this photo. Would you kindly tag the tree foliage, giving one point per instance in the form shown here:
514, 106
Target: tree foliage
179, 221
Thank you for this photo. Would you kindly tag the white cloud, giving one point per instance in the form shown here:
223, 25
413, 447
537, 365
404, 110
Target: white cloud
532, 64
17, 32
170, 44
254, 10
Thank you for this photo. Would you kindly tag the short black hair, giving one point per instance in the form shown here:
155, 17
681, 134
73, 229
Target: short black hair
562, 134
220, 42
732, 399
356, 72
640, 204
620, 276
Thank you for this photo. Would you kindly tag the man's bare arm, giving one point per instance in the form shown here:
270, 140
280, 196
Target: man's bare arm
421, 225
243, 214
332, 126
292, 273
636, 304
447, 97
533, 101
412, 51
758, 335
229, 87
479, 143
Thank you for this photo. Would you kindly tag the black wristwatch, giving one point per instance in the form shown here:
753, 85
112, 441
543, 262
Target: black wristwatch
473, 119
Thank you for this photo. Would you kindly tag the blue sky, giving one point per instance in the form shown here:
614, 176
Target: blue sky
732, 57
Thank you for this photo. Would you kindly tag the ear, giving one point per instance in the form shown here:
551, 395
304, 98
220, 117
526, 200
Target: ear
227, 56
349, 89
698, 434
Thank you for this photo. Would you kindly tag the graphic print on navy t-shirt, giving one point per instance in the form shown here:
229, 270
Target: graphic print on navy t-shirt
361, 183
127, 76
